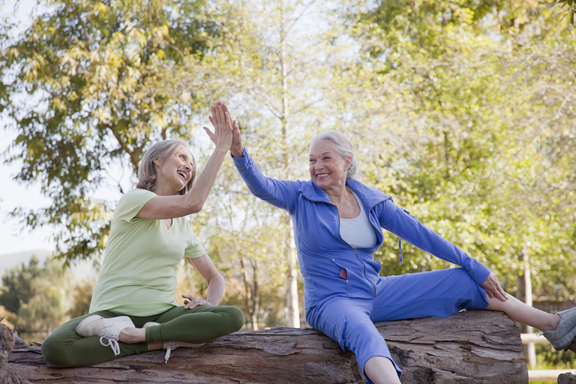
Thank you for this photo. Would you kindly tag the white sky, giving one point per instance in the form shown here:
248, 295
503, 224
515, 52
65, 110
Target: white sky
12, 194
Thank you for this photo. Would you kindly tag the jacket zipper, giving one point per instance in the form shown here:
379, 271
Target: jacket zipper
356, 253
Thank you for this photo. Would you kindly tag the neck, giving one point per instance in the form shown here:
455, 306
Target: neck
163, 190
336, 195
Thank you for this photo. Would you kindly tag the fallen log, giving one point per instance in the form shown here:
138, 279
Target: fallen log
566, 378
469, 347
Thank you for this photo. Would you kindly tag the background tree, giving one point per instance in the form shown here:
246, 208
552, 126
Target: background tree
481, 169
80, 86
17, 285
462, 111
40, 298
275, 68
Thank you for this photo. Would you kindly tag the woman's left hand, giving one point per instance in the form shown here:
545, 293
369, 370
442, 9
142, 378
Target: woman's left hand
193, 302
493, 288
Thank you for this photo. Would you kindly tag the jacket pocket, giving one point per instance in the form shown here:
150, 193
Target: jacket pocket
341, 278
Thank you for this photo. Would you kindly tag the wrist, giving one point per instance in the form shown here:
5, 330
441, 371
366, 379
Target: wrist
221, 149
237, 151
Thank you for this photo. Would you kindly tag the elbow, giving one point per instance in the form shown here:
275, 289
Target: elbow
195, 207
216, 278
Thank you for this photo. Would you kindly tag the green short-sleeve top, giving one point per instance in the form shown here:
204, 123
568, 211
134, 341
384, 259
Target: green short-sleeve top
138, 275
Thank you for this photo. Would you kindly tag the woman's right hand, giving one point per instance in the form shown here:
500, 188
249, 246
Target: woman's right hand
223, 126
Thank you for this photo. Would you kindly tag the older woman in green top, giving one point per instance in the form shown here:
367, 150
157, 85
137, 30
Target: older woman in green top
133, 308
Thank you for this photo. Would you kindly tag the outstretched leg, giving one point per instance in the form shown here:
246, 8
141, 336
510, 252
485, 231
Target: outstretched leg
523, 313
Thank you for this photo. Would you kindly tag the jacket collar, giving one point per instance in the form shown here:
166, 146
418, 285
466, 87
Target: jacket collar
369, 196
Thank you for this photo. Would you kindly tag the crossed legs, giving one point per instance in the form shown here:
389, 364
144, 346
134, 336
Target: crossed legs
65, 348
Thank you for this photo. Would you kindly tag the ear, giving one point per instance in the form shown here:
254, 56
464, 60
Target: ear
348, 162
156, 163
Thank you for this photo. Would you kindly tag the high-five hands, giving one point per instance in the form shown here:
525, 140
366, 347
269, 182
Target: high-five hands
223, 126
237, 147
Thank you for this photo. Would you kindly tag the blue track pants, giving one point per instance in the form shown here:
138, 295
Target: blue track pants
350, 321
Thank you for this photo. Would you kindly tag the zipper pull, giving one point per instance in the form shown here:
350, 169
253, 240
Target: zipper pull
400, 248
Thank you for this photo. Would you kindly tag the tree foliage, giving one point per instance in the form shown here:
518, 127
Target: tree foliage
463, 111
17, 285
489, 167
81, 88
41, 297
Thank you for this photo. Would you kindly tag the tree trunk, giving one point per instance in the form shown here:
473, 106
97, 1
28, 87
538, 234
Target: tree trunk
524, 284
293, 309
469, 347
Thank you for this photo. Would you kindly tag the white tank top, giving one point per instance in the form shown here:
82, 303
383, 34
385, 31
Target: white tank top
358, 232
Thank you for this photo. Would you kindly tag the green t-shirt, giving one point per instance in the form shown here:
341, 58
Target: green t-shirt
138, 276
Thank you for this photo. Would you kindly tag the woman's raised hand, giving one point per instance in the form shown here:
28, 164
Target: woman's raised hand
223, 126
237, 147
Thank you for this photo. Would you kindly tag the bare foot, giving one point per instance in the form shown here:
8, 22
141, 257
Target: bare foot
155, 345
132, 335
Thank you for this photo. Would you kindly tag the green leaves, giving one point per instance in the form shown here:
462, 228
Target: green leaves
82, 88
486, 171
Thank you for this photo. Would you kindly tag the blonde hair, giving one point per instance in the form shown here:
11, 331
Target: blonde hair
344, 148
161, 151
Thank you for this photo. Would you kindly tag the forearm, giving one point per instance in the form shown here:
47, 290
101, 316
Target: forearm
409, 228
280, 193
197, 196
216, 287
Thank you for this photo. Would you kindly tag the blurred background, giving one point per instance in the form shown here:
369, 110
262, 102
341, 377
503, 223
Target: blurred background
463, 111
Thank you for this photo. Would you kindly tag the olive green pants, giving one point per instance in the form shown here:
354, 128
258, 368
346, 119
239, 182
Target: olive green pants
65, 348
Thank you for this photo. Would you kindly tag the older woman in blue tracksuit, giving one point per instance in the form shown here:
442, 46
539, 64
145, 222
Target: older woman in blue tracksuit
338, 225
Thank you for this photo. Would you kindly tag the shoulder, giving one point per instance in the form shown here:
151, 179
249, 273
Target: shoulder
370, 195
132, 202
136, 195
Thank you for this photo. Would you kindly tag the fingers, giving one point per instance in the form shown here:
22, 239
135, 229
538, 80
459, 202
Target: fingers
493, 288
500, 294
193, 302
210, 134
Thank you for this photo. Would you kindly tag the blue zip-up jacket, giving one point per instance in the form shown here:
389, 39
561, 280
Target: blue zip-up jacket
323, 255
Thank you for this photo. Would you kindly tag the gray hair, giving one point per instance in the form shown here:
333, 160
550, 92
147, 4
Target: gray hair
161, 151
344, 148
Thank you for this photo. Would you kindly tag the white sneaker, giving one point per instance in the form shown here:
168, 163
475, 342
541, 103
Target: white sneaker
169, 346
107, 329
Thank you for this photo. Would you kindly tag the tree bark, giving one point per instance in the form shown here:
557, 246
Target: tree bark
567, 378
469, 347
9, 342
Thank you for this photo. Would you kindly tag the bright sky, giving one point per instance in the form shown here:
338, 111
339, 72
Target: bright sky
12, 194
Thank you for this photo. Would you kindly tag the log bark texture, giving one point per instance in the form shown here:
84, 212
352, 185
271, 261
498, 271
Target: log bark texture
567, 378
469, 347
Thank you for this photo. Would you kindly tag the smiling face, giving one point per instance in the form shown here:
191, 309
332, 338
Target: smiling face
175, 172
327, 167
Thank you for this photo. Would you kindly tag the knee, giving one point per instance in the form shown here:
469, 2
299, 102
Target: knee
54, 352
234, 319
